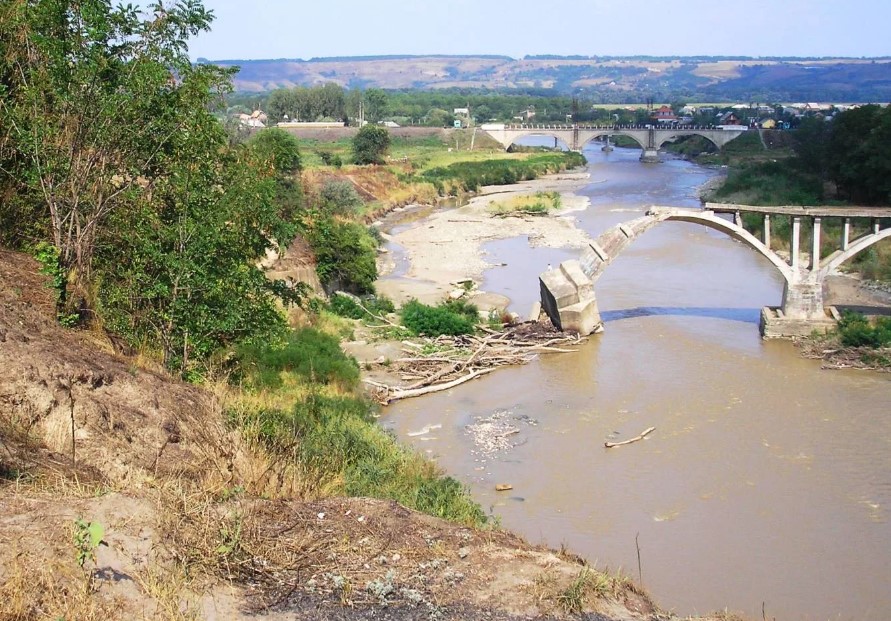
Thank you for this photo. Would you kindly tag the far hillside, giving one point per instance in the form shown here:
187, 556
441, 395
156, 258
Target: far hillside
612, 79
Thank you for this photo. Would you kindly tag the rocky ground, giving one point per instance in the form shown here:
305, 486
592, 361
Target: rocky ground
198, 524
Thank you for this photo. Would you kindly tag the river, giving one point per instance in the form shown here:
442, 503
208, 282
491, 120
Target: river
767, 481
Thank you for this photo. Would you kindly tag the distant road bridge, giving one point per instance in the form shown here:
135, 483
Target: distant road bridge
649, 137
567, 292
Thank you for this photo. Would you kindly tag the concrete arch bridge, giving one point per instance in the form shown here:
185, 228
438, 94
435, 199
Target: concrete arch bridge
649, 137
567, 292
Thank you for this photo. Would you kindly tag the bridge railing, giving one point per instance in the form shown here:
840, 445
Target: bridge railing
615, 127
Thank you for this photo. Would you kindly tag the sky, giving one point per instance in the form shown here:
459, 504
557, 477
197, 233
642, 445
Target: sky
257, 29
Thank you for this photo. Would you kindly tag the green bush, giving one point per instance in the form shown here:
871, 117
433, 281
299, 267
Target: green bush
345, 306
855, 330
340, 197
346, 255
436, 320
308, 353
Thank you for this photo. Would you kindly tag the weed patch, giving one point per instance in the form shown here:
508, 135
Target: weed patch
307, 353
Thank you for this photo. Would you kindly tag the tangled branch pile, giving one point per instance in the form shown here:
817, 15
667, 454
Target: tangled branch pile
441, 363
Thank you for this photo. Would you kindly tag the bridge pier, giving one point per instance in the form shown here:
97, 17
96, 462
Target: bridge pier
650, 156
801, 314
567, 296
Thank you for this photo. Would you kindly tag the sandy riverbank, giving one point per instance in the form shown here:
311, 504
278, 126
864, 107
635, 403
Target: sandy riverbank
447, 246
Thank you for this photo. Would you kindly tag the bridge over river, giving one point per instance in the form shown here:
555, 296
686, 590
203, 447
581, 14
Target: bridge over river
649, 137
567, 292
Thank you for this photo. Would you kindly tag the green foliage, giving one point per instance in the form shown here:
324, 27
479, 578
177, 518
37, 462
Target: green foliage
48, 256
855, 330
279, 148
463, 308
437, 320
340, 197
307, 104
770, 183
87, 538
345, 255
90, 110
306, 353
371, 144
345, 306
190, 283
472, 175
339, 445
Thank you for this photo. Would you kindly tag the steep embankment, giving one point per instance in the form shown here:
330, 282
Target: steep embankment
89, 438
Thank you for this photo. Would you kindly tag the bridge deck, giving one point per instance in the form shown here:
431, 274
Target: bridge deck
793, 210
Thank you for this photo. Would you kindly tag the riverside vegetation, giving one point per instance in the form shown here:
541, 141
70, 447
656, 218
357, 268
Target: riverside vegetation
149, 219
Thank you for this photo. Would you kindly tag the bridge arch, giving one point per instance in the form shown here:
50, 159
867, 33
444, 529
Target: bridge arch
856, 247
682, 133
613, 134
612, 242
542, 132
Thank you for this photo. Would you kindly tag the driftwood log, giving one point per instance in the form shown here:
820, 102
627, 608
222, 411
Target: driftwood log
646, 432
457, 359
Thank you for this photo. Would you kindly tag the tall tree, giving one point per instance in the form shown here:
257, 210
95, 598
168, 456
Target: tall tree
92, 99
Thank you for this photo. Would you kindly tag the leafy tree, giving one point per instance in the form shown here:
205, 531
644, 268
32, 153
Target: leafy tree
93, 97
371, 144
438, 117
280, 148
190, 284
345, 255
376, 104
110, 149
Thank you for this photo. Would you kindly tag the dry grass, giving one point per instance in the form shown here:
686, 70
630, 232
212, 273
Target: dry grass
557, 592
34, 588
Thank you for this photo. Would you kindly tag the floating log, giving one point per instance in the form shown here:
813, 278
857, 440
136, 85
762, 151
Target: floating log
634, 439
503, 487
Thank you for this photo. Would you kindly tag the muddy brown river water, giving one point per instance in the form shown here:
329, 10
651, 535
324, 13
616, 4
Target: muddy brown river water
766, 481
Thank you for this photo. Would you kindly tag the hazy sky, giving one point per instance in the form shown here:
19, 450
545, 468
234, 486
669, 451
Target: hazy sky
281, 29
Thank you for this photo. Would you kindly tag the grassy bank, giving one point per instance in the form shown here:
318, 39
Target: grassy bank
300, 402
419, 170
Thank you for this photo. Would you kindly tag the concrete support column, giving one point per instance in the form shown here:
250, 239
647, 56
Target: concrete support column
846, 233
876, 226
650, 156
815, 247
796, 236
766, 239
803, 300
737, 218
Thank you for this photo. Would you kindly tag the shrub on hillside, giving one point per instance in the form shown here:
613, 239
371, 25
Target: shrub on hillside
340, 197
346, 255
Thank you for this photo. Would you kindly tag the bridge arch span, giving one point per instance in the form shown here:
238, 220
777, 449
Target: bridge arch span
856, 247
683, 133
543, 132
612, 134
611, 243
